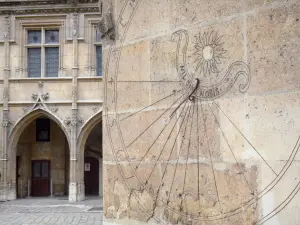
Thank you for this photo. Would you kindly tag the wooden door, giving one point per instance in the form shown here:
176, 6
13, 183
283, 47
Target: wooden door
91, 176
40, 184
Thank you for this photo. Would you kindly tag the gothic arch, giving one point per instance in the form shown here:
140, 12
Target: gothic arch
18, 129
82, 138
87, 128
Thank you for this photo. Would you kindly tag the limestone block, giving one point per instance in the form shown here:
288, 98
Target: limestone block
255, 4
148, 136
192, 12
163, 59
115, 193
273, 49
134, 63
283, 196
83, 56
130, 95
151, 18
199, 137
14, 61
90, 90
274, 124
233, 130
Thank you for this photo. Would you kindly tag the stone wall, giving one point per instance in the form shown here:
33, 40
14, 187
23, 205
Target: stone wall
201, 122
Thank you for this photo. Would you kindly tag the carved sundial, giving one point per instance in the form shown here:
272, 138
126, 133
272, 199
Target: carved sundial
182, 148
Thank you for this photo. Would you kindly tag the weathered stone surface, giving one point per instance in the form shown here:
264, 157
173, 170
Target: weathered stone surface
273, 49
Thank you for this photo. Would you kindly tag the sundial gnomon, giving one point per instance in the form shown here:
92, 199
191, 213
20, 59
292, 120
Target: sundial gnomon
182, 132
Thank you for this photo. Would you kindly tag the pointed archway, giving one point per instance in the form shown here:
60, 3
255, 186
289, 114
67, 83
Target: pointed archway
25, 146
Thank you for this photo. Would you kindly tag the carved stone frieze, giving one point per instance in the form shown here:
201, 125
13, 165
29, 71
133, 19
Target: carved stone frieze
73, 122
42, 2
17, 11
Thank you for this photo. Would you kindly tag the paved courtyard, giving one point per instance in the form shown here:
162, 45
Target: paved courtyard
34, 211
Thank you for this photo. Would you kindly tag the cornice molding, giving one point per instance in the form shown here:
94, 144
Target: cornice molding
45, 2
48, 10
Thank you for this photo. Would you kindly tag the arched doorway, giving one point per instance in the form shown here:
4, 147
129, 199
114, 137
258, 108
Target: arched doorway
42, 159
93, 162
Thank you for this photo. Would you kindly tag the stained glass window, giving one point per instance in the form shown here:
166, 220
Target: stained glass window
52, 61
34, 62
34, 36
99, 60
52, 36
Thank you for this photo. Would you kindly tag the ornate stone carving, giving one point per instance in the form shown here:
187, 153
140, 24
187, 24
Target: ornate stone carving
40, 84
48, 10
26, 109
73, 122
67, 121
75, 25
106, 25
45, 96
7, 31
43, 2
54, 109
34, 96
80, 120
95, 108
72, 2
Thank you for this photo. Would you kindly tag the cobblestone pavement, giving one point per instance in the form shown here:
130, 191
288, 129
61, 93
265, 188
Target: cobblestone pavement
58, 211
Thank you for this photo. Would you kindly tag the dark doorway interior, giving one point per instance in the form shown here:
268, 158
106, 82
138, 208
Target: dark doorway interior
40, 185
91, 176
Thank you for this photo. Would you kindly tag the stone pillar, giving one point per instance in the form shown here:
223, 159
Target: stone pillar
73, 182
7, 187
100, 178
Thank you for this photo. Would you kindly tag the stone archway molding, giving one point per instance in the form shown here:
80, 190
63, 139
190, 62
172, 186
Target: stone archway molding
81, 140
10, 172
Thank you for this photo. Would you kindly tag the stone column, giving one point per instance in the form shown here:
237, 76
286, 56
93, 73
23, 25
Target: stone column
73, 182
8, 189
100, 178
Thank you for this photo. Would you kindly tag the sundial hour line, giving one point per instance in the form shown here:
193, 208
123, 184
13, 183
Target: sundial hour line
154, 121
187, 157
185, 118
265, 161
183, 138
190, 97
252, 192
152, 144
167, 139
210, 157
151, 105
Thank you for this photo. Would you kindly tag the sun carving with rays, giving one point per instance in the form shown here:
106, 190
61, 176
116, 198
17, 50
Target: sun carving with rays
209, 53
